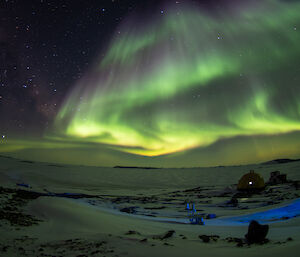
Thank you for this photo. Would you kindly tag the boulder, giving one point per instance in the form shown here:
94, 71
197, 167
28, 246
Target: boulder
256, 233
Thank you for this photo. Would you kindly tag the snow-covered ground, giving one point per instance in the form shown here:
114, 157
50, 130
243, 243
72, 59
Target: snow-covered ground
149, 203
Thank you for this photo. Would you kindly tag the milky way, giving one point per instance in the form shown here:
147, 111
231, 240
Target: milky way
190, 78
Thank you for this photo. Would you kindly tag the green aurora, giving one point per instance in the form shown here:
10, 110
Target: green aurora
190, 88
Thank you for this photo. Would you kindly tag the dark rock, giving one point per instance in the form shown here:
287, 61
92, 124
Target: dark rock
239, 241
296, 184
289, 239
100, 244
155, 208
144, 240
214, 237
233, 202
4, 249
28, 195
240, 244
10, 209
150, 215
22, 185
130, 210
168, 234
232, 239
132, 232
95, 252
18, 218
256, 233
205, 238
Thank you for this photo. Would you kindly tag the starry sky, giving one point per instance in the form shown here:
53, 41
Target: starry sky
150, 83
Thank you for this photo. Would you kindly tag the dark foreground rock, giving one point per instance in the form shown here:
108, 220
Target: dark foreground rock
130, 210
11, 207
239, 241
132, 232
207, 239
257, 233
168, 234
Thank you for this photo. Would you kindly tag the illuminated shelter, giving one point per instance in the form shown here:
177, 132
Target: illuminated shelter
251, 181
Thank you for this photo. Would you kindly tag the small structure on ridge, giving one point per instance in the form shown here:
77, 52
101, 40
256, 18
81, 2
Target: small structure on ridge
251, 182
277, 178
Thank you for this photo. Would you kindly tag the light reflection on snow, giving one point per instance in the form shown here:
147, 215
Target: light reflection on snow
286, 212
289, 211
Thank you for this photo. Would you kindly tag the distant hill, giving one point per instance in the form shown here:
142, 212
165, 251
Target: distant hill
279, 161
134, 167
272, 162
7, 157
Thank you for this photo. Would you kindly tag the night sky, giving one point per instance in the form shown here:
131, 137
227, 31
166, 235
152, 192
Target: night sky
150, 83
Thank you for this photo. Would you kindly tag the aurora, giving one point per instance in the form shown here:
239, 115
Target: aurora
187, 79
188, 86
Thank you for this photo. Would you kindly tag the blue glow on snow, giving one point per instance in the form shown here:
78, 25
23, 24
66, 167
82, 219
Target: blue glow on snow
289, 211
279, 214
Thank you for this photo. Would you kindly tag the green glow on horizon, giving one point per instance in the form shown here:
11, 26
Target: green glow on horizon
188, 79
